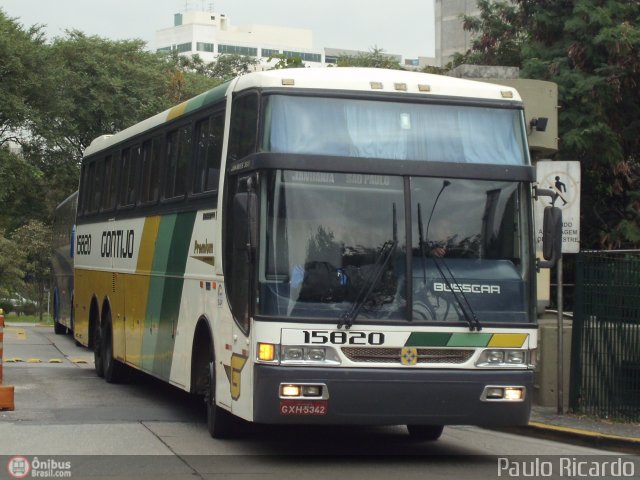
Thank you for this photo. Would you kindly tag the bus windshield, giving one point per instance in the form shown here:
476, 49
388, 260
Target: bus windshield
324, 236
394, 130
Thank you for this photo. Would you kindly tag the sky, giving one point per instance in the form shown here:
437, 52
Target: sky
404, 27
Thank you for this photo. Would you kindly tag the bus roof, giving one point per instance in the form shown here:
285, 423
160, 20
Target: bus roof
331, 78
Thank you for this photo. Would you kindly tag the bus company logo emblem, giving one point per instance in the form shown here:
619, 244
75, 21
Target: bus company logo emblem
233, 372
19, 467
409, 356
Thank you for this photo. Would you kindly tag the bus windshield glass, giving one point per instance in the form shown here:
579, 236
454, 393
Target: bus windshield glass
394, 130
326, 236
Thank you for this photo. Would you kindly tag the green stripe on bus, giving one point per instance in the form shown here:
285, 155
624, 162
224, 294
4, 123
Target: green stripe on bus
425, 339
156, 290
469, 340
172, 253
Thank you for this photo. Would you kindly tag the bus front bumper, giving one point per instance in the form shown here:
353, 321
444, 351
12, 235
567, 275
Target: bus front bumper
367, 396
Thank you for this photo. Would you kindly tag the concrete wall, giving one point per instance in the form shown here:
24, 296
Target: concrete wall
546, 374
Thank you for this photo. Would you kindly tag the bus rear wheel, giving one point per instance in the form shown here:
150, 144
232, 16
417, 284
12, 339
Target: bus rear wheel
220, 422
425, 433
58, 328
97, 349
113, 369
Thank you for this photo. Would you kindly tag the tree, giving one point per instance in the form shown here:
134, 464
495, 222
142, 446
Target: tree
11, 273
34, 239
228, 66
286, 62
376, 58
101, 87
22, 89
591, 49
21, 190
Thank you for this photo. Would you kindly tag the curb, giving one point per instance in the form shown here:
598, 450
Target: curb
579, 436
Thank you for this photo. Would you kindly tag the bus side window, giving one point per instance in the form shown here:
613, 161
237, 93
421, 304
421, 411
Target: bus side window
83, 195
150, 181
98, 184
90, 185
208, 153
128, 177
178, 158
244, 127
110, 185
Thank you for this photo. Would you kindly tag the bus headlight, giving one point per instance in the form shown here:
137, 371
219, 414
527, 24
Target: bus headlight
304, 355
503, 358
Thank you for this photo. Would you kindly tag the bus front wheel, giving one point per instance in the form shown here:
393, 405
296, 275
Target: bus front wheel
425, 433
220, 422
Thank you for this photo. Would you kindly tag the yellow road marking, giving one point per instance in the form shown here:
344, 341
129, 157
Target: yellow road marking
13, 360
55, 360
20, 333
78, 360
582, 432
34, 360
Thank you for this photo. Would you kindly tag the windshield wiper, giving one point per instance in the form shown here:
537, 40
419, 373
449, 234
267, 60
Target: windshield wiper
382, 261
469, 315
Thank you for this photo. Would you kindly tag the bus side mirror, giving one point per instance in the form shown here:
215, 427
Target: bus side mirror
245, 215
551, 237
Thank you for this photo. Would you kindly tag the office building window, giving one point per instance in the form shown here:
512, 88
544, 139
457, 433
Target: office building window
204, 47
307, 57
238, 50
269, 52
183, 47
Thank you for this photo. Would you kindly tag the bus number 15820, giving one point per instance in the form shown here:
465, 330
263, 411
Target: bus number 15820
343, 338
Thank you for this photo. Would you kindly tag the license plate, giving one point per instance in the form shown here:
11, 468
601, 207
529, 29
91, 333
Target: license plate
304, 407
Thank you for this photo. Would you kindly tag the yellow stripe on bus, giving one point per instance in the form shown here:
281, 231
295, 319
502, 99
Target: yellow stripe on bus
508, 340
138, 291
176, 111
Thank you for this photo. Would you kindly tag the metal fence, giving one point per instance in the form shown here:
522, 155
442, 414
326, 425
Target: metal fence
605, 363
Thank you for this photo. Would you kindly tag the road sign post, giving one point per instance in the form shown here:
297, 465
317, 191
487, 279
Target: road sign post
563, 178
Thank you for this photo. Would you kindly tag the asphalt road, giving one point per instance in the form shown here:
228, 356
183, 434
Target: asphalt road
146, 429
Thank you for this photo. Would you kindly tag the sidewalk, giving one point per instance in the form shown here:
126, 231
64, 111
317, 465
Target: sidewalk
586, 430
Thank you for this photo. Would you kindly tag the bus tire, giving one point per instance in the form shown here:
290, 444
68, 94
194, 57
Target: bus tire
425, 433
58, 328
113, 369
220, 422
97, 349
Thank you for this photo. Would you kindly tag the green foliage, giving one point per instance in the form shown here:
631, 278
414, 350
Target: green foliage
34, 239
376, 58
229, 66
11, 272
286, 62
591, 49
21, 81
21, 187
101, 87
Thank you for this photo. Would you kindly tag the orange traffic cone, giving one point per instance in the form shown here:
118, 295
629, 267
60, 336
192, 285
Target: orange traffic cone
6, 391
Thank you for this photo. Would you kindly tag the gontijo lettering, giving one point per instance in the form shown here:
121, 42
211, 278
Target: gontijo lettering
117, 244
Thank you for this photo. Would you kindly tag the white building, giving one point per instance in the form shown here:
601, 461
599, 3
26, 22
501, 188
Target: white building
210, 34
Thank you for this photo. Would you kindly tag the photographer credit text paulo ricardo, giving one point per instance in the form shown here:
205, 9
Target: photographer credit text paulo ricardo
569, 467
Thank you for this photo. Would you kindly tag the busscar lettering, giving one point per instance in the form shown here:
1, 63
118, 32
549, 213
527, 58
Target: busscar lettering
117, 244
466, 288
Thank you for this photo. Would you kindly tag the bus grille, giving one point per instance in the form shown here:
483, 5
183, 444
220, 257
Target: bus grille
392, 355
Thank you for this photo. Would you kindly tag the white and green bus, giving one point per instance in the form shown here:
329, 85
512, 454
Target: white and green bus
318, 246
